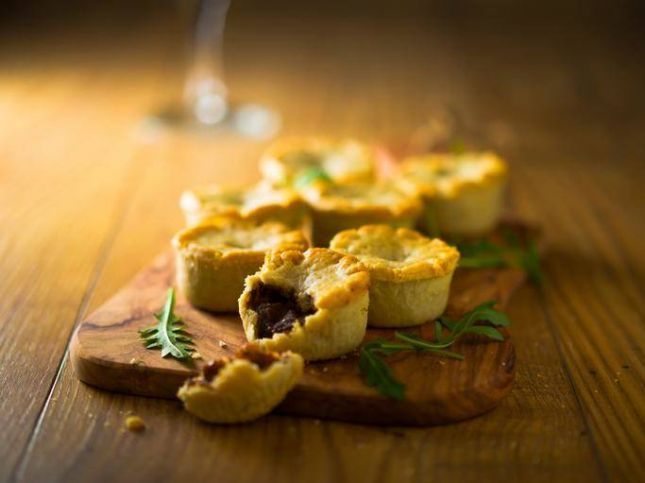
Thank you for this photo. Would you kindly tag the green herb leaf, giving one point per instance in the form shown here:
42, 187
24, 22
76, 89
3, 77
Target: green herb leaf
490, 332
486, 254
310, 175
169, 334
378, 374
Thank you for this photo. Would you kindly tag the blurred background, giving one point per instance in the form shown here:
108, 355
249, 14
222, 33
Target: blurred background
482, 60
543, 82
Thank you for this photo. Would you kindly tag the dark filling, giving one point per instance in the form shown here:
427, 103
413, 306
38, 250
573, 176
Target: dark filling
278, 309
210, 370
261, 358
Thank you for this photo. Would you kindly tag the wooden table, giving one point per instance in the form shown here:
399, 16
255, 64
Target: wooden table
89, 195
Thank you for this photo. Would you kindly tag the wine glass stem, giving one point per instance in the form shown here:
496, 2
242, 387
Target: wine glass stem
205, 92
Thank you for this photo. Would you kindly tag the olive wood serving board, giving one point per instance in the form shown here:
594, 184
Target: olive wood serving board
106, 352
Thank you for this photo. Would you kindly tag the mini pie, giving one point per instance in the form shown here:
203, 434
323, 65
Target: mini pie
409, 274
213, 258
243, 388
260, 203
340, 207
313, 303
463, 194
343, 161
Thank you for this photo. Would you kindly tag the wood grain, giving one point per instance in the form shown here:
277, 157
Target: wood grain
560, 96
107, 353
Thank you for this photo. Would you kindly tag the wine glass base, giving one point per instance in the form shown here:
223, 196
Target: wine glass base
249, 120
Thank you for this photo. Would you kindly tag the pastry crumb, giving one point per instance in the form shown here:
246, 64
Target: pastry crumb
196, 355
135, 423
223, 344
135, 361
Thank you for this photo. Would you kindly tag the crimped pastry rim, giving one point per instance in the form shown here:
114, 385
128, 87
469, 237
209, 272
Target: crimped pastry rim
233, 365
496, 172
356, 277
413, 268
183, 240
407, 205
190, 202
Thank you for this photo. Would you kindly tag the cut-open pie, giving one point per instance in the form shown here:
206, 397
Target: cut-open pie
294, 162
340, 207
410, 274
312, 302
463, 194
260, 202
243, 388
214, 257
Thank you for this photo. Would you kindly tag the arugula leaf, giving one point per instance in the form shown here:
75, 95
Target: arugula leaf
490, 332
486, 254
310, 175
169, 334
378, 374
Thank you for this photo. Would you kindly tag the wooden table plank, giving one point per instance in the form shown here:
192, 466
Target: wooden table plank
50, 242
596, 312
67, 173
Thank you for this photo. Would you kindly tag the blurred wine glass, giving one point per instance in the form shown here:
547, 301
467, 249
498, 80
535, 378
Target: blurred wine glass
205, 103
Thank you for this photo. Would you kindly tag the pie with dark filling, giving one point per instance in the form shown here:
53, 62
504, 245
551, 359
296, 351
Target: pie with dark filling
311, 302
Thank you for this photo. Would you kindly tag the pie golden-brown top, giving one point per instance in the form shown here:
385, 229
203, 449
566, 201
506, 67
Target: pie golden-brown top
363, 198
397, 254
223, 237
342, 161
330, 278
446, 175
244, 202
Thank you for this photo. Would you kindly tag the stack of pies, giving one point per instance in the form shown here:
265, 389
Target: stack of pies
248, 250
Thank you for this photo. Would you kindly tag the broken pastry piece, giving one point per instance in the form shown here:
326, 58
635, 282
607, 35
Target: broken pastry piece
410, 274
214, 258
259, 203
296, 162
462, 194
243, 388
340, 207
311, 302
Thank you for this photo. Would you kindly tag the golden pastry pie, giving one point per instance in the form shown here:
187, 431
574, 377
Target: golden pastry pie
243, 388
312, 302
340, 207
213, 258
463, 194
294, 162
260, 202
409, 274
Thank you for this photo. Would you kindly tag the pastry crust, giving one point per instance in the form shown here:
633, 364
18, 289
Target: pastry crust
213, 258
243, 388
463, 194
343, 161
260, 202
331, 291
410, 274
340, 207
